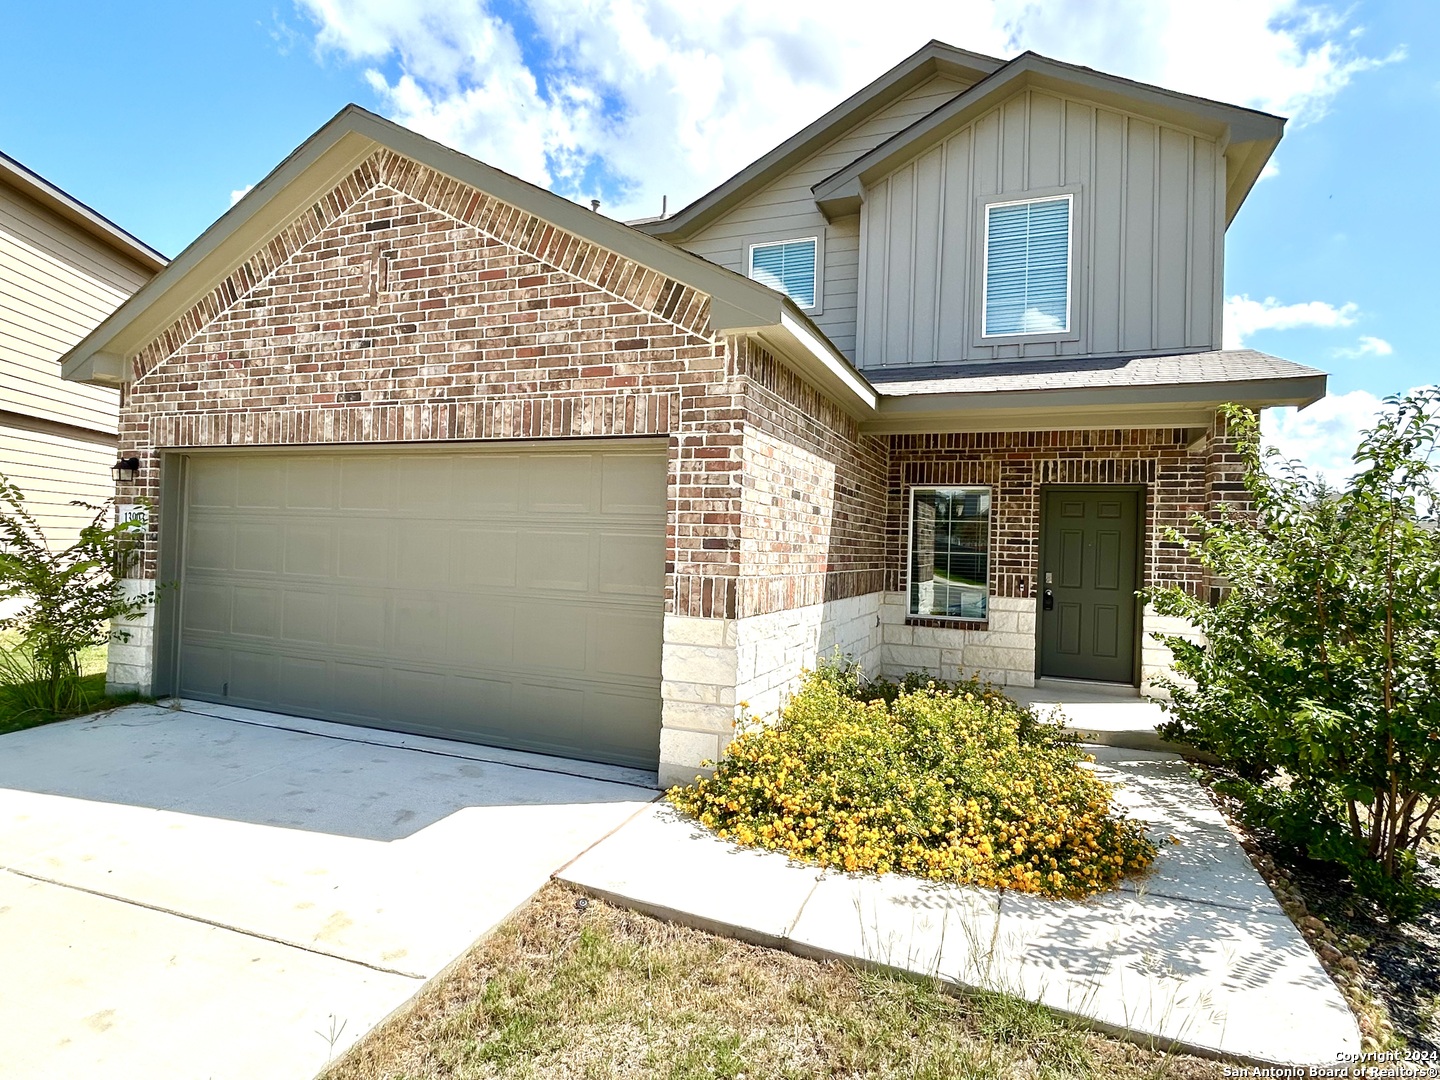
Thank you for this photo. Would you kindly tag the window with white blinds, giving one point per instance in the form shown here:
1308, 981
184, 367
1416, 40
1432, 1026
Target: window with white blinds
788, 266
1027, 267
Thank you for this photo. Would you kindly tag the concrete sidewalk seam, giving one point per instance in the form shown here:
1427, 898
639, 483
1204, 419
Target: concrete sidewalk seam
210, 922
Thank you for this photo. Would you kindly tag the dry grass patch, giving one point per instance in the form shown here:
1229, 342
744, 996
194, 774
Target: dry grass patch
606, 992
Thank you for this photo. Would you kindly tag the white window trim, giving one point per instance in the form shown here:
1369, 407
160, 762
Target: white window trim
819, 239
1021, 335
960, 620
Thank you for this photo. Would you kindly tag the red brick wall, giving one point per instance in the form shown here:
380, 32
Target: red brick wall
1016, 464
403, 307
812, 524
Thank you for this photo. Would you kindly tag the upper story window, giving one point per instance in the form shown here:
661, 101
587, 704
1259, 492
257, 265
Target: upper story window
791, 266
1027, 267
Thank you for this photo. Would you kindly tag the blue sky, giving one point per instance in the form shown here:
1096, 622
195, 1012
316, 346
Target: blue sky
156, 114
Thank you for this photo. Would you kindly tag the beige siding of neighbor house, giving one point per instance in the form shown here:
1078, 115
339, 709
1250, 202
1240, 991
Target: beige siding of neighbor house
54, 466
57, 439
786, 210
1147, 234
56, 285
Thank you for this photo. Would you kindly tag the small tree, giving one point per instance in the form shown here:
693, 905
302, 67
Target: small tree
70, 597
1318, 680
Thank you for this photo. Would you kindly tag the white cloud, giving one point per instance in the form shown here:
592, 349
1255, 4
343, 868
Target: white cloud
1244, 316
1367, 346
1270, 170
1324, 435
634, 99
240, 193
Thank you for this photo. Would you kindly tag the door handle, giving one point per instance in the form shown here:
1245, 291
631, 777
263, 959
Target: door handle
1047, 600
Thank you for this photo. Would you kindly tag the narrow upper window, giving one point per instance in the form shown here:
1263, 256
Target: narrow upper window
788, 266
950, 553
1027, 267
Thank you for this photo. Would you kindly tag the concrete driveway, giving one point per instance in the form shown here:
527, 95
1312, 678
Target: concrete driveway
214, 892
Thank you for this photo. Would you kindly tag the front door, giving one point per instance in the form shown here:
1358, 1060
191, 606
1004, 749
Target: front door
1088, 543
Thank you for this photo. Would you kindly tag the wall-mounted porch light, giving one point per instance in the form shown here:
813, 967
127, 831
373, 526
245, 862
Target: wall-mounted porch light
125, 470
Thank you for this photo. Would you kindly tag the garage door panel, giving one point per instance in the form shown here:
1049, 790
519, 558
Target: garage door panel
555, 561
632, 564
259, 482
257, 547
358, 690
210, 546
510, 597
418, 627
625, 644
484, 557
481, 635
214, 486
627, 486
362, 551
559, 484
307, 617
361, 622
549, 637
254, 611
487, 484
207, 607
310, 483
307, 549
304, 681
423, 555
367, 483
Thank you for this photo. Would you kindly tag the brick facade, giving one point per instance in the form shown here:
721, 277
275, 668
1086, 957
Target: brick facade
404, 307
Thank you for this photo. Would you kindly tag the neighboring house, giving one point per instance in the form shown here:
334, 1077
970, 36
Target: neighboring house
434, 449
63, 268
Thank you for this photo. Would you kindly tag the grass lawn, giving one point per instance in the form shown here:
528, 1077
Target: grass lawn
15, 715
606, 992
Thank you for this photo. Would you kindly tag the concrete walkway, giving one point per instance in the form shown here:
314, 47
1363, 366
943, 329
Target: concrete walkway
214, 892
1197, 955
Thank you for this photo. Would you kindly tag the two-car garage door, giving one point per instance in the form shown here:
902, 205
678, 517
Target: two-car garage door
507, 596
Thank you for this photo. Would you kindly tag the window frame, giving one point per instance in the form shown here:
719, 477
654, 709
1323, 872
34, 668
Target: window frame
818, 238
960, 620
984, 204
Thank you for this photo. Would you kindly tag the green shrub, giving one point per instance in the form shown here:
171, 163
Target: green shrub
952, 783
70, 596
1318, 682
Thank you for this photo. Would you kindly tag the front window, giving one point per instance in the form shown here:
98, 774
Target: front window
1027, 267
950, 553
788, 267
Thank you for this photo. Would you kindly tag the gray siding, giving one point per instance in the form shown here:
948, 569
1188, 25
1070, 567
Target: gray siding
786, 209
1148, 235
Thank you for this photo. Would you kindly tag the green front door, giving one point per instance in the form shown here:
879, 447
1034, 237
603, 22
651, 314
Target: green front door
1088, 543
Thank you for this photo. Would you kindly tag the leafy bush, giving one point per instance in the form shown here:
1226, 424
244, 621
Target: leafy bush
1318, 681
71, 595
952, 783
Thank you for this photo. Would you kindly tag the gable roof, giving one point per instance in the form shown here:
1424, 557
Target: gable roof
64, 205
737, 304
1248, 136
931, 59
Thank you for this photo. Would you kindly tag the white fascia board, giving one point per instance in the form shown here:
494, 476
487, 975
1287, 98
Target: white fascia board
827, 364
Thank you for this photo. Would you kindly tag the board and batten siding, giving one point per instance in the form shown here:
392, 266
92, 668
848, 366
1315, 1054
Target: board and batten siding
56, 285
1148, 230
786, 210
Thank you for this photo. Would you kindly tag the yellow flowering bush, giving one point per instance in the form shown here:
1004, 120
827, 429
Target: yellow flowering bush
951, 782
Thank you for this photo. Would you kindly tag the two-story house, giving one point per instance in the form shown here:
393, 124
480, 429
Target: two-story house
63, 268
436, 450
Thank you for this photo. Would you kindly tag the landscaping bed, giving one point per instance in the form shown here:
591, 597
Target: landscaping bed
944, 781
570, 987
1389, 969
